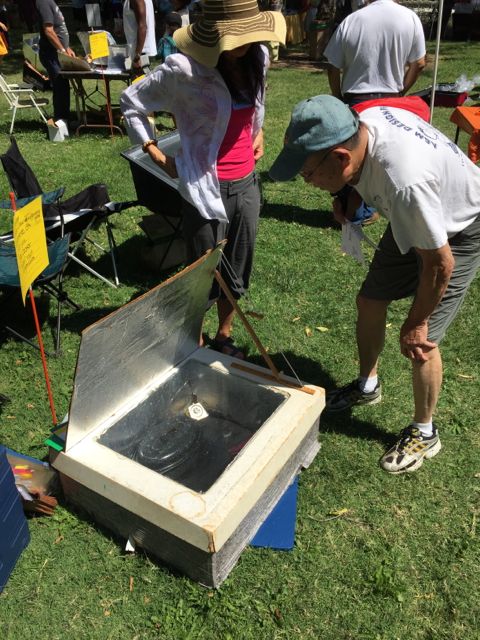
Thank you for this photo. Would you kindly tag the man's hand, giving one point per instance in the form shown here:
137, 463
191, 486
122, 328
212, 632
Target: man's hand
345, 211
258, 146
137, 61
70, 52
414, 343
339, 211
437, 267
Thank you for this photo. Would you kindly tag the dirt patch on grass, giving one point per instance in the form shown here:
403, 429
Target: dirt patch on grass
298, 60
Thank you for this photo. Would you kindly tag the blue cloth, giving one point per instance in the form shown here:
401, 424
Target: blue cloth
364, 212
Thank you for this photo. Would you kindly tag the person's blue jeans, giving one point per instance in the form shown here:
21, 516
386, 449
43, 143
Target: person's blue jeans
60, 86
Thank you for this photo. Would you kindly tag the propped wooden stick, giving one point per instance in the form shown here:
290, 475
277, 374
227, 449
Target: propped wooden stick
267, 376
247, 325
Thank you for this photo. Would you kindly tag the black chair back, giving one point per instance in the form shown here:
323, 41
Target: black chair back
20, 176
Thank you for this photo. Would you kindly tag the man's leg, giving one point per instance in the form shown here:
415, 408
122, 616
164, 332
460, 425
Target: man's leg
60, 86
391, 276
420, 440
371, 317
371, 322
61, 98
427, 380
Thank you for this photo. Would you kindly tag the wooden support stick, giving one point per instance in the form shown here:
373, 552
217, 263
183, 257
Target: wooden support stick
267, 376
247, 325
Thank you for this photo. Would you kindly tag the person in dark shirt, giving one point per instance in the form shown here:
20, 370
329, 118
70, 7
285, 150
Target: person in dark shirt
54, 38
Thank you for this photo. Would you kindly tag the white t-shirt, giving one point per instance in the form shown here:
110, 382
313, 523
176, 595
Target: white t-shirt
184, 13
373, 45
130, 28
417, 178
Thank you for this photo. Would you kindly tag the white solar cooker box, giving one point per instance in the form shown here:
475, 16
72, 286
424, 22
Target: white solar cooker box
172, 445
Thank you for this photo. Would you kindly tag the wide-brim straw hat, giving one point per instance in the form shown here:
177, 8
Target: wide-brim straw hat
225, 25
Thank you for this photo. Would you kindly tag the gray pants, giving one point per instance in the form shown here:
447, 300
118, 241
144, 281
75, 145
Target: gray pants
241, 199
393, 275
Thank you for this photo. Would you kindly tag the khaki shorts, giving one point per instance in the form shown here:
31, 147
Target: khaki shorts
393, 276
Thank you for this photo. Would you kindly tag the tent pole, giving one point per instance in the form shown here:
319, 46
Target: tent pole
437, 50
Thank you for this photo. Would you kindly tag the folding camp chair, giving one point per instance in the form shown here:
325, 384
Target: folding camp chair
21, 96
76, 215
50, 281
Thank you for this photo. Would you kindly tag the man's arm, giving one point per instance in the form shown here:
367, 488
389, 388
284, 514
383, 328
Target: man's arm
437, 267
54, 40
139, 9
414, 69
335, 81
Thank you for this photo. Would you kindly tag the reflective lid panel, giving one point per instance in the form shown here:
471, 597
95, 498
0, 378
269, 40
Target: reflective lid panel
139, 342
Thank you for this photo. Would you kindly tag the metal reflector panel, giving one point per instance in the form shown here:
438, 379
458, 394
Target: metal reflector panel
139, 343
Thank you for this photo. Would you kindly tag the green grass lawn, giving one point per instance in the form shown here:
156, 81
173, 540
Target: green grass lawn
376, 557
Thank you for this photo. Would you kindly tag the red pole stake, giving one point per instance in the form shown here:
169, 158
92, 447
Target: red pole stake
39, 335
44, 359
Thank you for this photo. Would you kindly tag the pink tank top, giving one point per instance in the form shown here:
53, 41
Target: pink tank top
235, 157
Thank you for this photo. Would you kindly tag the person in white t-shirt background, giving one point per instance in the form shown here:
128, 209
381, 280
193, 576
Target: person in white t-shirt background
139, 27
375, 52
430, 193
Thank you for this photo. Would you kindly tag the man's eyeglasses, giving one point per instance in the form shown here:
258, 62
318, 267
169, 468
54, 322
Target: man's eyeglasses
306, 175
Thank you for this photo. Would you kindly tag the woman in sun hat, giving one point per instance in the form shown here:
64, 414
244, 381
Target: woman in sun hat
215, 89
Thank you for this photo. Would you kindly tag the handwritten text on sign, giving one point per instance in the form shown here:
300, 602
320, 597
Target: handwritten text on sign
30, 243
98, 45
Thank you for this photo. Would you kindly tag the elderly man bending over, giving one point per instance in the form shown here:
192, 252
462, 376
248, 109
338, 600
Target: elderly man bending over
430, 193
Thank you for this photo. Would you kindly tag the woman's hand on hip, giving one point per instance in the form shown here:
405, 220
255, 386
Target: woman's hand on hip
258, 146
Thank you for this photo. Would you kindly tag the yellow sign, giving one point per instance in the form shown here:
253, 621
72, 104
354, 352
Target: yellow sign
98, 45
30, 243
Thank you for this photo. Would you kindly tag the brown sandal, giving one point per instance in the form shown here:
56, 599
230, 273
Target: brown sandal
227, 347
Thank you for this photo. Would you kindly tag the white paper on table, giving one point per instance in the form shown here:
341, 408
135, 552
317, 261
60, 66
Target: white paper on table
352, 235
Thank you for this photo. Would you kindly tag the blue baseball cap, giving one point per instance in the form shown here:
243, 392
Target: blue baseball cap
317, 123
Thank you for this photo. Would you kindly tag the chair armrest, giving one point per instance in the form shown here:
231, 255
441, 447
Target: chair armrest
19, 202
22, 86
52, 196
